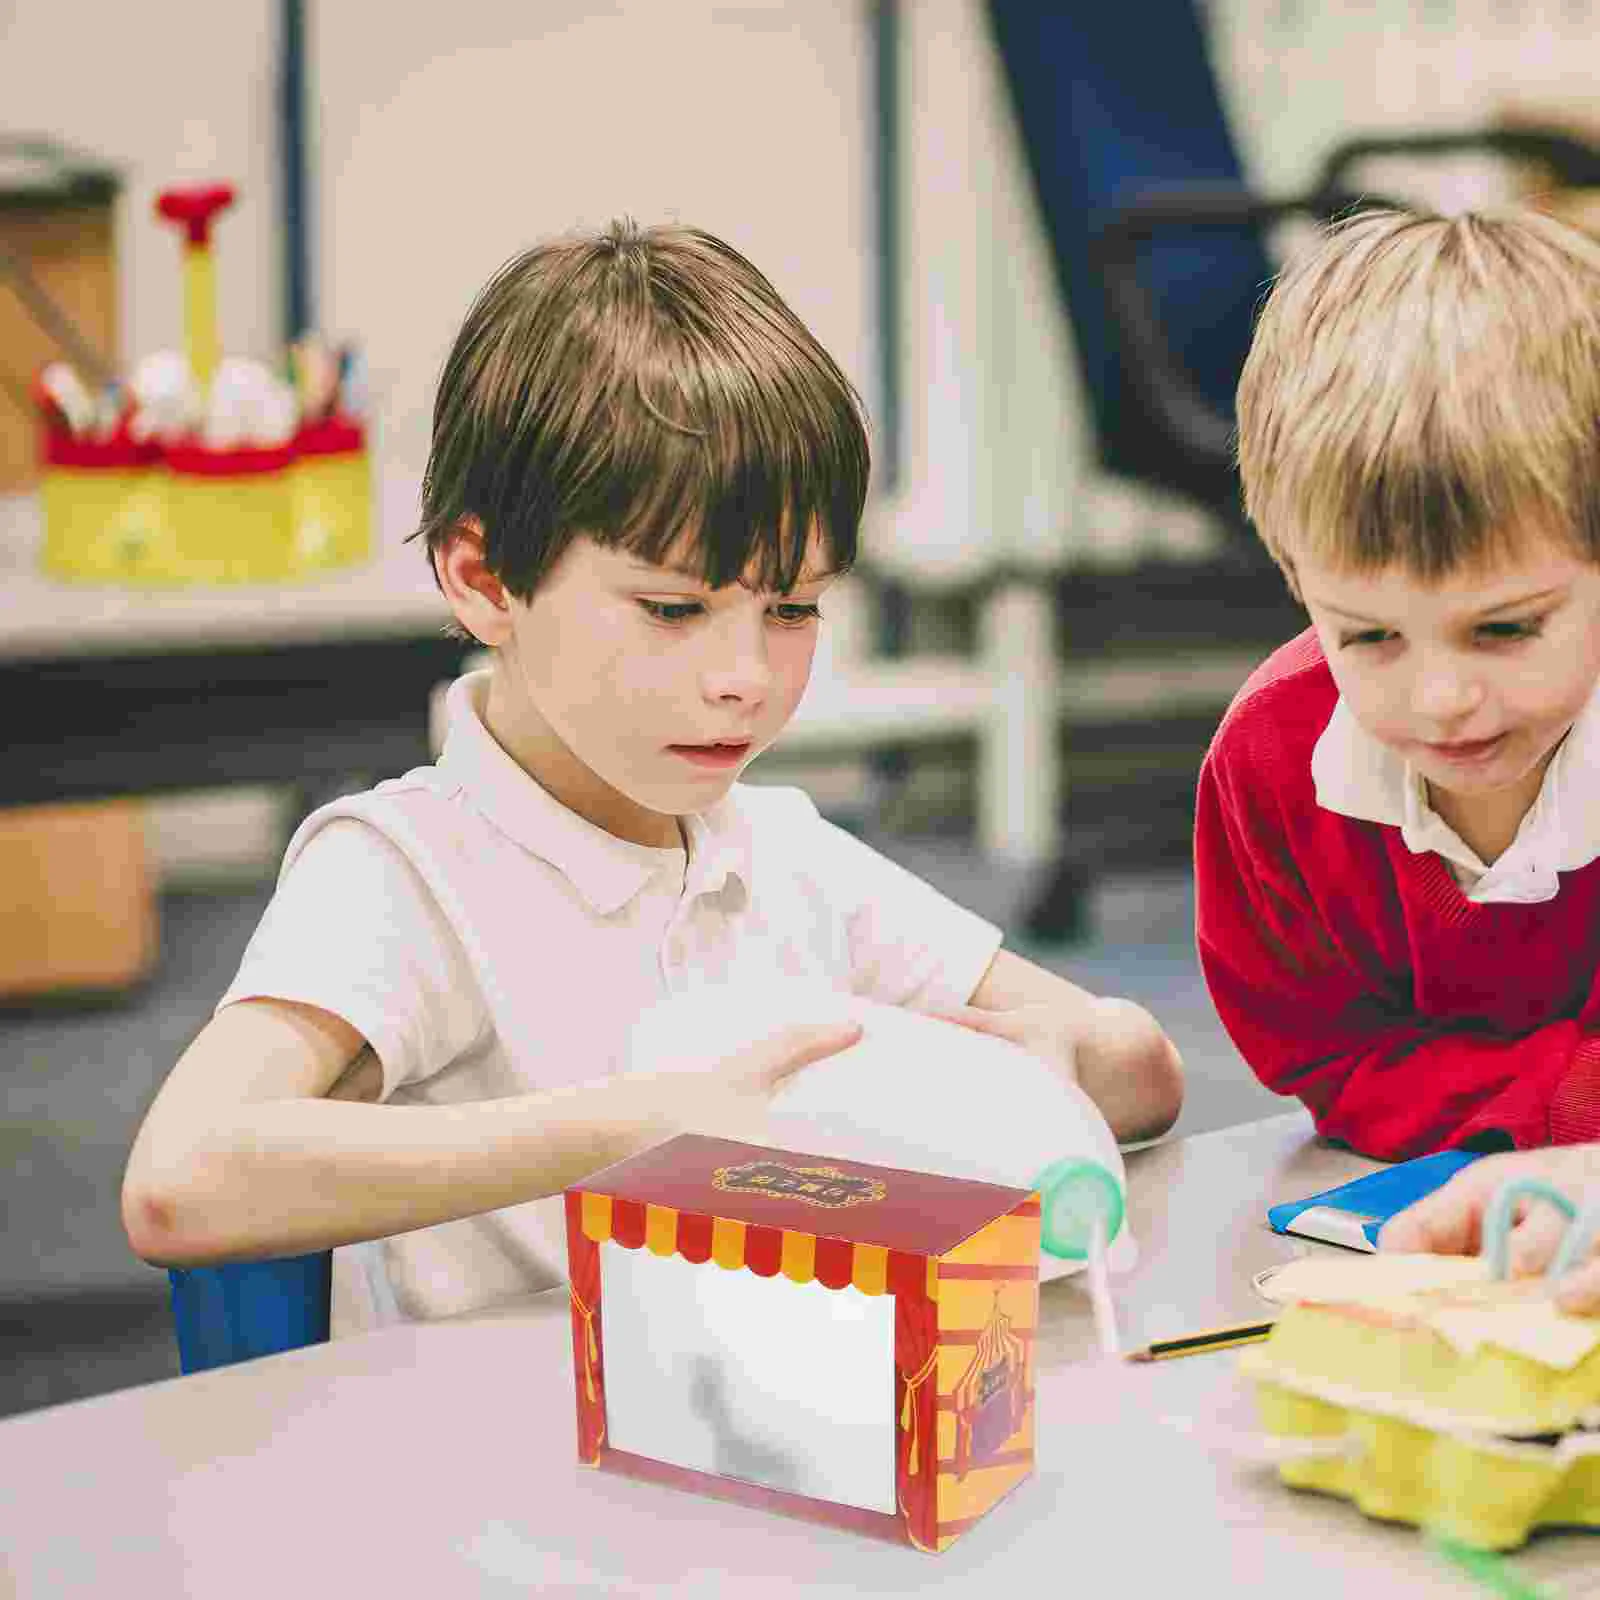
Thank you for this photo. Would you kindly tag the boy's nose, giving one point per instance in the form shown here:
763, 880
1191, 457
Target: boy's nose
742, 685
742, 673
1444, 696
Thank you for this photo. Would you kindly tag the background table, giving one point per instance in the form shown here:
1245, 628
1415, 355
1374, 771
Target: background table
111, 691
439, 1459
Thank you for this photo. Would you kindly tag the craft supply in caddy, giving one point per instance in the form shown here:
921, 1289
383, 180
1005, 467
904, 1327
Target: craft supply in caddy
102, 492
195, 210
230, 503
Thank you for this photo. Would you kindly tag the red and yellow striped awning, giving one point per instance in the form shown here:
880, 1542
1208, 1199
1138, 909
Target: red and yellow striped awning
767, 1252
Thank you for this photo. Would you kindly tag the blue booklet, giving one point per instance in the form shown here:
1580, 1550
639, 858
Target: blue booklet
1353, 1213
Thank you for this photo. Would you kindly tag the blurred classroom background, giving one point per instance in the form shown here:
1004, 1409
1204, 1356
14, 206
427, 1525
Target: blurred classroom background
1034, 241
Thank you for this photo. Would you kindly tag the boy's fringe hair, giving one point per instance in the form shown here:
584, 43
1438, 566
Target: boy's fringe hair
644, 386
1421, 391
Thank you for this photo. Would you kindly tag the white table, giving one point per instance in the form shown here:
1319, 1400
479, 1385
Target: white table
439, 1460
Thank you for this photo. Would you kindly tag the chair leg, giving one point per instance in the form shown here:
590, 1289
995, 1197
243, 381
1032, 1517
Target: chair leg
1020, 784
1060, 912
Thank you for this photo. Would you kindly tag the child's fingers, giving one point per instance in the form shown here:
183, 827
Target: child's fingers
798, 1046
966, 1017
1413, 1231
1450, 1220
1447, 1222
1535, 1239
1579, 1290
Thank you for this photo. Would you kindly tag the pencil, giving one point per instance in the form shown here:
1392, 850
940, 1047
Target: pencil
1196, 1344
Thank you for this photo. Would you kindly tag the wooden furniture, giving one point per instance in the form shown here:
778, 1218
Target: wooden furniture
79, 910
57, 228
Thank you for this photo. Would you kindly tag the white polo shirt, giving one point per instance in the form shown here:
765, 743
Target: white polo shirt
486, 941
1358, 777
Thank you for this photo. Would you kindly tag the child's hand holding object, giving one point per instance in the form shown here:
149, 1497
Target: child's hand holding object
730, 1099
1113, 1049
1450, 1221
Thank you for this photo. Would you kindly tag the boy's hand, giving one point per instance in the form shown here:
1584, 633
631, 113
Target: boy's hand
1450, 1220
1113, 1049
729, 1100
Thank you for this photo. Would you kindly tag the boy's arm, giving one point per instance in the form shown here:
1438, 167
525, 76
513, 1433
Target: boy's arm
1116, 1050
260, 1142
912, 946
1390, 1084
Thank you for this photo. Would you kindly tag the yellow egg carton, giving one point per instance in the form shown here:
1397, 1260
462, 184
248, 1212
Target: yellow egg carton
1427, 1390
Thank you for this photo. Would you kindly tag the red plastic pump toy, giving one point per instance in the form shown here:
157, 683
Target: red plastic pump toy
196, 209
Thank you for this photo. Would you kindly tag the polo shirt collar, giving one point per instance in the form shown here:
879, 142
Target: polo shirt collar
605, 870
1358, 777
720, 853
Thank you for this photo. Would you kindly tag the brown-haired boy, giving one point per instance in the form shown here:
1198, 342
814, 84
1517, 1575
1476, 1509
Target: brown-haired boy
645, 474
1398, 830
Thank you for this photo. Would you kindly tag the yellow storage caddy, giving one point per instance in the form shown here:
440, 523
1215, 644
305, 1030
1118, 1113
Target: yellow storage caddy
232, 513
332, 496
107, 512
182, 512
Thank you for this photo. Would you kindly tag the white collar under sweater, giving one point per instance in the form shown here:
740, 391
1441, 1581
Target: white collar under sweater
1358, 777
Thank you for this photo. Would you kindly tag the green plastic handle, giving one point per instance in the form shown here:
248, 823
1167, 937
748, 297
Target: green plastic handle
1071, 1194
1498, 1219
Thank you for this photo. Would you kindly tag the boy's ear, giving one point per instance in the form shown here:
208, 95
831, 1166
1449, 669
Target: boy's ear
477, 597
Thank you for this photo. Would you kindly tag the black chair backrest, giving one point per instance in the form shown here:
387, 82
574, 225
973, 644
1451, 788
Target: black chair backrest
1113, 104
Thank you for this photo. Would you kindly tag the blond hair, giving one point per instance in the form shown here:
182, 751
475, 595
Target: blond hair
1422, 390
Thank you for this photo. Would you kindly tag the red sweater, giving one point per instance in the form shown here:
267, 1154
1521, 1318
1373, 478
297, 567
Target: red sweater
1358, 976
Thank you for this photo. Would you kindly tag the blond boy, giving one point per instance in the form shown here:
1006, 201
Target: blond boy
1398, 825
645, 475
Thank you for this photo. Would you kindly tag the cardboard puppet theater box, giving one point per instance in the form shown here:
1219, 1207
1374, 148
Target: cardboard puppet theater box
846, 1343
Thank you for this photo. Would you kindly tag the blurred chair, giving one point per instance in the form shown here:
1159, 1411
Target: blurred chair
1561, 158
1163, 254
1182, 434
1111, 107
247, 1309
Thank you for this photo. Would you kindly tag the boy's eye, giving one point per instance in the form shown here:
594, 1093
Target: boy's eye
796, 616
1492, 632
1500, 632
678, 611
670, 610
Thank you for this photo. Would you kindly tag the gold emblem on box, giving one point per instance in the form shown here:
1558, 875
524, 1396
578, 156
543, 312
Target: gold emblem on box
813, 1186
